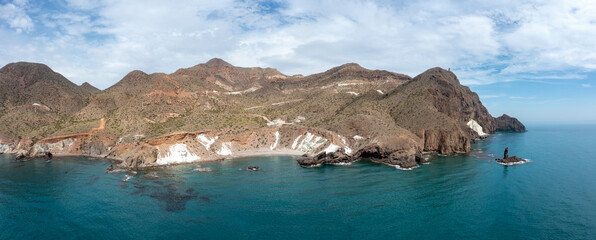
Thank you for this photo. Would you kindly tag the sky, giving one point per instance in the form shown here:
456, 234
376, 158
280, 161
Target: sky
535, 60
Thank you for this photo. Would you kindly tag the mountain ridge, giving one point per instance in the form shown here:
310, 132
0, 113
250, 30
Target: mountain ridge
215, 110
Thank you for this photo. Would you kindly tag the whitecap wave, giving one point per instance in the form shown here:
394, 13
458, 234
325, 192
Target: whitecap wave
512, 163
127, 177
402, 168
343, 163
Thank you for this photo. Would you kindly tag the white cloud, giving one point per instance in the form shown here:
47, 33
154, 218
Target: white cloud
16, 17
586, 85
20, 2
483, 42
553, 35
84, 4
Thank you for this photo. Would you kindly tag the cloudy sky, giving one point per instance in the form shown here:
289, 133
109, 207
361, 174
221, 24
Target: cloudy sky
532, 59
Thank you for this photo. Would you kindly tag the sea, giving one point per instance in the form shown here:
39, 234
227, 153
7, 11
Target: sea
553, 196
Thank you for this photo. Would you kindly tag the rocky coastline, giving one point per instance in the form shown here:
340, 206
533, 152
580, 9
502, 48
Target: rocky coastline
215, 111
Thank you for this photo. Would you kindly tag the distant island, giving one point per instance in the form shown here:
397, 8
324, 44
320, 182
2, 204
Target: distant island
215, 110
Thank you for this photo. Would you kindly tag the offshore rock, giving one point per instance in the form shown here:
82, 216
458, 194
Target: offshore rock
339, 157
511, 160
253, 168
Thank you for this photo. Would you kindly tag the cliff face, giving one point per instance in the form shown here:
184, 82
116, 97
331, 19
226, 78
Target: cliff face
215, 110
438, 109
509, 124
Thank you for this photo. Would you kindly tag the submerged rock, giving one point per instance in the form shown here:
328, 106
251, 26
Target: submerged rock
112, 169
202, 169
151, 175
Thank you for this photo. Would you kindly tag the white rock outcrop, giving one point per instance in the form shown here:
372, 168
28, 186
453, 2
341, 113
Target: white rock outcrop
477, 128
309, 143
226, 149
178, 153
206, 141
276, 141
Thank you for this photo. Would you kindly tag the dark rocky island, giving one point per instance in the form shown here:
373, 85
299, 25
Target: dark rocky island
215, 110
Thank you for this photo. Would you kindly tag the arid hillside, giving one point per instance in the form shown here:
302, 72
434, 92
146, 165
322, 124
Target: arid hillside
215, 110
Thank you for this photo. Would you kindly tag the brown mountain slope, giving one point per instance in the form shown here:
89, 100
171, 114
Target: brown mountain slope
89, 88
437, 108
215, 110
33, 97
509, 124
216, 74
24, 83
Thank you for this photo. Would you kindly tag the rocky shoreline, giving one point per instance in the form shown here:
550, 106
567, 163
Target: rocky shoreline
215, 110
338, 158
315, 146
330, 154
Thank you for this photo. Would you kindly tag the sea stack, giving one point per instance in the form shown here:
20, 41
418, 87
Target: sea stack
506, 160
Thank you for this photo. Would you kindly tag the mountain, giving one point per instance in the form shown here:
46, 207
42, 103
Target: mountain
25, 83
438, 109
33, 95
89, 88
215, 110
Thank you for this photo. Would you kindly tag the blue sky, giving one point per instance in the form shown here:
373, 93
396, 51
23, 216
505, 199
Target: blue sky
535, 60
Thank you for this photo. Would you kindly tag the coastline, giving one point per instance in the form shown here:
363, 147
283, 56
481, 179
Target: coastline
264, 153
242, 155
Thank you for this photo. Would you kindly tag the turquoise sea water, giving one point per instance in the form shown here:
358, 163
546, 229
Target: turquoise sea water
462, 197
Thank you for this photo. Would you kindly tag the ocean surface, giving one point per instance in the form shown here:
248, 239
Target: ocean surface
461, 197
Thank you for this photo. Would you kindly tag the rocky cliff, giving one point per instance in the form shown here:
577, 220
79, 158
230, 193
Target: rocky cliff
215, 110
509, 124
440, 111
